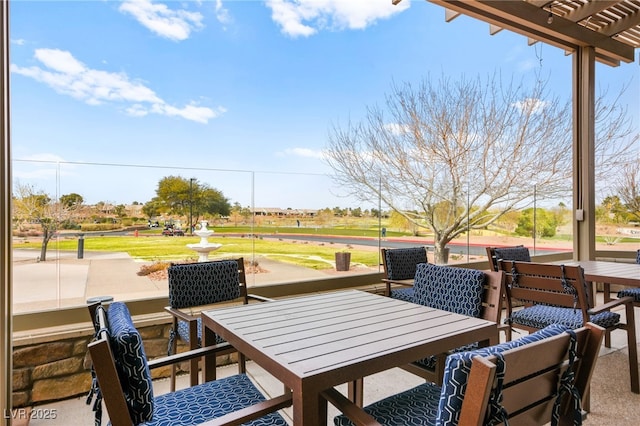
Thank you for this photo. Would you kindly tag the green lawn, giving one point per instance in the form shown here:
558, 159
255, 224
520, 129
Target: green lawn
160, 248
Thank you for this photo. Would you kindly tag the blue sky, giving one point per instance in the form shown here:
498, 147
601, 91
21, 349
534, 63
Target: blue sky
238, 94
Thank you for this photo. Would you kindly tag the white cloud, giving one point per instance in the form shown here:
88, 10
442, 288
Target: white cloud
303, 152
305, 17
18, 41
531, 104
397, 129
222, 13
68, 76
169, 23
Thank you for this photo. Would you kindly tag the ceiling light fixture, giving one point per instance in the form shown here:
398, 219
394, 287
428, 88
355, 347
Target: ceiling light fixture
550, 18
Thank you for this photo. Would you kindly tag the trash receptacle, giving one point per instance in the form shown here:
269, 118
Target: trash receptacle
80, 246
343, 260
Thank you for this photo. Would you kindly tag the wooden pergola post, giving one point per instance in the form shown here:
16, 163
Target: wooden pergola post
6, 319
584, 228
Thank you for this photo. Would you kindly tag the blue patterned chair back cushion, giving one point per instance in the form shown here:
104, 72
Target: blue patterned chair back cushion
204, 283
518, 253
401, 263
458, 367
452, 289
131, 363
638, 257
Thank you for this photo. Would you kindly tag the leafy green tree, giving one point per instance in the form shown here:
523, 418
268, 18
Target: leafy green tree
544, 222
71, 200
152, 208
613, 209
120, 210
180, 196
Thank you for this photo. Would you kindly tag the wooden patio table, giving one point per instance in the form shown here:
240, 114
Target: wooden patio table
607, 273
313, 343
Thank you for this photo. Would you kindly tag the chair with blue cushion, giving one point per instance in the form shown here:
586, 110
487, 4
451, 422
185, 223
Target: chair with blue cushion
557, 294
193, 285
633, 292
125, 385
538, 379
462, 291
519, 253
400, 269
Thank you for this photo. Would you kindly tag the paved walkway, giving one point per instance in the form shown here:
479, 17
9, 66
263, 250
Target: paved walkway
64, 280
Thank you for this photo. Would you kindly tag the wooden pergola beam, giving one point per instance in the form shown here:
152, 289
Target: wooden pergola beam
532, 21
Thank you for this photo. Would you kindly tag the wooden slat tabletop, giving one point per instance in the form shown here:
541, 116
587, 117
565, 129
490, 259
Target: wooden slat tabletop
608, 272
315, 342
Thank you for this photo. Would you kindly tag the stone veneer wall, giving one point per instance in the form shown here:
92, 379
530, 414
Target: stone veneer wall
60, 368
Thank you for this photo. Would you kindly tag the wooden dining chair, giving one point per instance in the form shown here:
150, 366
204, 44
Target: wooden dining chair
193, 285
535, 380
557, 294
462, 291
400, 269
519, 253
123, 376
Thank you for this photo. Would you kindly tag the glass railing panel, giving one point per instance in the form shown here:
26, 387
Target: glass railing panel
310, 226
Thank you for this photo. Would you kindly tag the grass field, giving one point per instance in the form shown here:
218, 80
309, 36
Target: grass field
155, 247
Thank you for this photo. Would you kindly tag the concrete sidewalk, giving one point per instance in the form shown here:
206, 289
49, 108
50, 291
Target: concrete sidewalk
65, 281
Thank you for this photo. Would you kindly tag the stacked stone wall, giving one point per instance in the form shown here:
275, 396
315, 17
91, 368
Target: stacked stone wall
59, 369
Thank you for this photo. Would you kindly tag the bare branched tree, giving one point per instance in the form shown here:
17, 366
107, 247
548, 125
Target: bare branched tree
629, 189
30, 205
457, 155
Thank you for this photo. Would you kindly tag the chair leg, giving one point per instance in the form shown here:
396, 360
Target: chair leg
174, 348
193, 344
242, 363
355, 392
633, 348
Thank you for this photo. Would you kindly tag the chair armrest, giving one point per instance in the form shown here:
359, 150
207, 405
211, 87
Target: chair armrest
180, 314
611, 304
405, 283
356, 414
194, 353
260, 298
252, 412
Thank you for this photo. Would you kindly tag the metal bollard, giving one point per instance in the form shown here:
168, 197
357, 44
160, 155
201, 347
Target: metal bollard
80, 246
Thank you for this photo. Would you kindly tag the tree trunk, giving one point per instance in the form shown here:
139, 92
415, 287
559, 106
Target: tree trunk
46, 237
441, 253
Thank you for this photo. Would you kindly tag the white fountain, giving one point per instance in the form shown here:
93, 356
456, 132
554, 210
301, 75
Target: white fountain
204, 247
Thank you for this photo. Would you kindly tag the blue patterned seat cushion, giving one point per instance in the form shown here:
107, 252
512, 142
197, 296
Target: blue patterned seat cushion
517, 253
633, 292
405, 294
449, 288
204, 283
416, 406
401, 263
183, 332
452, 289
208, 401
540, 316
131, 363
429, 362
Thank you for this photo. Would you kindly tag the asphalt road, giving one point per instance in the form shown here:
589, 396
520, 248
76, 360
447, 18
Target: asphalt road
454, 248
